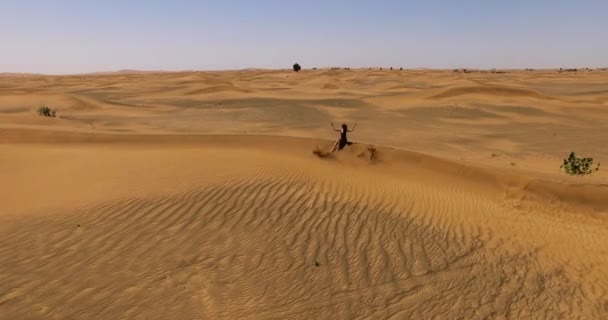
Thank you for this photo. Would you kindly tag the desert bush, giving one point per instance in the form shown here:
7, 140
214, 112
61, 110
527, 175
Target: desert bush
46, 111
576, 166
373, 153
296, 67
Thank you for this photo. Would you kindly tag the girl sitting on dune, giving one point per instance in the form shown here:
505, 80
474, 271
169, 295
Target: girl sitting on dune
342, 141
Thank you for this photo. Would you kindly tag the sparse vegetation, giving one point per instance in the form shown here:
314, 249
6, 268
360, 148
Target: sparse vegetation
576, 166
297, 67
46, 111
373, 153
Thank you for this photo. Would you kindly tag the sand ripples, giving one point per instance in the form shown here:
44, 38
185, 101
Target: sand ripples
283, 242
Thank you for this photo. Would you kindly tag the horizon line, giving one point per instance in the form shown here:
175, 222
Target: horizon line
335, 68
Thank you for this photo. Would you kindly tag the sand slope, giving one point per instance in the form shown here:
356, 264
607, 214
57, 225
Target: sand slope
529, 120
175, 229
139, 224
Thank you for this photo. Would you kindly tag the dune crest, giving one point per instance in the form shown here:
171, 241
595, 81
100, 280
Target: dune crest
490, 91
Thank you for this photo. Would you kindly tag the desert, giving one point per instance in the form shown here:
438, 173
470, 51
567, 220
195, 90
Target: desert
199, 195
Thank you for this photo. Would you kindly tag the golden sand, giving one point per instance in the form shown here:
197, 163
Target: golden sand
197, 196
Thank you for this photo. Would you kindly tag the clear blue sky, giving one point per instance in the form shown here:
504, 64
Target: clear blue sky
85, 36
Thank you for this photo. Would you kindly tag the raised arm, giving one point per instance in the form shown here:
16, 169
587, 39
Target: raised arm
353, 129
332, 125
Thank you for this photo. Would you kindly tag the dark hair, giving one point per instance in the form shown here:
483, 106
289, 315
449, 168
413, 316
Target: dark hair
344, 126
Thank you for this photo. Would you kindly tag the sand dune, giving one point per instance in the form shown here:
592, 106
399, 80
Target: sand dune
214, 206
491, 91
219, 88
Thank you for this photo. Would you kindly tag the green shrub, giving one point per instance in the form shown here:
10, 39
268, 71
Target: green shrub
576, 166
46, 111
296, 67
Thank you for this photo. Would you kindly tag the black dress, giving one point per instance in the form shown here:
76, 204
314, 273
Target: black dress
343, 140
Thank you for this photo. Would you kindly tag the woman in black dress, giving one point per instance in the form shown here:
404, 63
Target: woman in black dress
343, 140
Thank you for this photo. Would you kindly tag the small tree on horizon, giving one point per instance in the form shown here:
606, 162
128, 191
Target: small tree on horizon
296, 67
